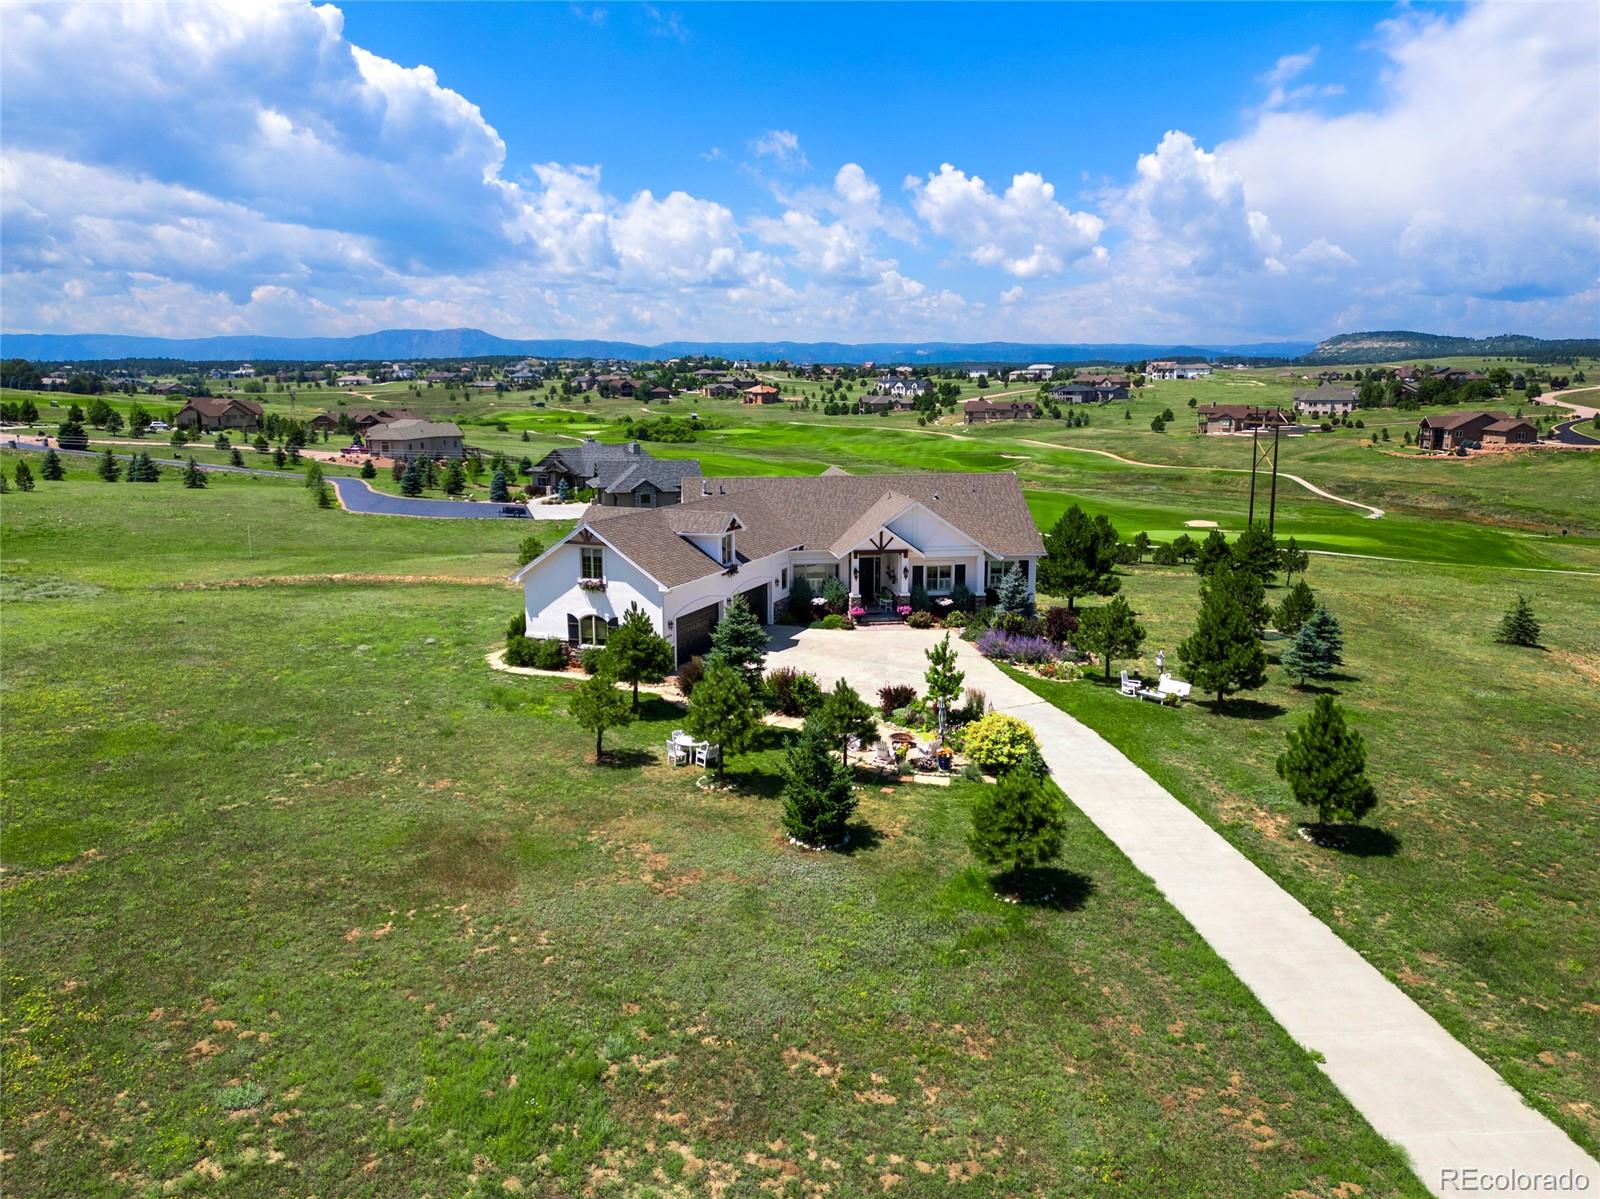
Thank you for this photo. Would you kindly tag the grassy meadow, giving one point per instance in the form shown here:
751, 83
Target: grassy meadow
300, 898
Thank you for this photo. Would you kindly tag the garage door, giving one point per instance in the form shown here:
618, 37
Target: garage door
756, 597
694, 631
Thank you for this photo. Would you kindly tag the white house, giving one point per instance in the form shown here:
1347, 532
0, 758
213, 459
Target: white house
1166, 369
1037, 373
882, 536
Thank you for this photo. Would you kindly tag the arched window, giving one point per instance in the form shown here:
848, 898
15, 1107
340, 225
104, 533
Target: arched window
593, 630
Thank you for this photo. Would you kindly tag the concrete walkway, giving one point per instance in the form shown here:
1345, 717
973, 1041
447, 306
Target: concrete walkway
1414, 1082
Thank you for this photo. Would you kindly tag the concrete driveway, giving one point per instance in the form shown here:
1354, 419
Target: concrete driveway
357, 496
1415, 1083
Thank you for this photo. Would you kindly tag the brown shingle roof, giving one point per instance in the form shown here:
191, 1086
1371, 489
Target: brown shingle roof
1454, 420
412, 430
817, 512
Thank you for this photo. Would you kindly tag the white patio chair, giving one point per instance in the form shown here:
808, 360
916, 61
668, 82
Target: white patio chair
677, 755
706, 754
1130, 685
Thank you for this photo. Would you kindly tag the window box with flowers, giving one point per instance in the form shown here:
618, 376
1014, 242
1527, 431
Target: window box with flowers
592, 584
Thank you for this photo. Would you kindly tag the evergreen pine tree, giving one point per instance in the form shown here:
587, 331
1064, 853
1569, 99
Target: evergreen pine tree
368, 471
411, 480
1012, 598
498, 493
313, 475
1223, 654
723, 710
1141, 545
235, 458
324, 495
1213, 552
844, 714
818, 799
279, 458
1293, 560
597, 705
51, 469
455, 478
1256, 552
800, 596
260, 444
1519, 626
635, 652
107, 466
1318, 647
1017, 824
1247, 590
1295, 609
943, 678
1080, 557
397, 470
1326, 766
740, 641
1110, 631
24, 475
193, 476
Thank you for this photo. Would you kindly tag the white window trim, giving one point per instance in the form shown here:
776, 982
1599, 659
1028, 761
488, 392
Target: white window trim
595, 624
927, 578
583, 559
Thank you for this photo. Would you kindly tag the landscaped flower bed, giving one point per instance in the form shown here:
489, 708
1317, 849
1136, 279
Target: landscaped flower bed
1013, 647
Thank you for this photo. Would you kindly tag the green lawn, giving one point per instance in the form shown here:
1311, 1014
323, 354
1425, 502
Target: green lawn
301, 898
1476, 894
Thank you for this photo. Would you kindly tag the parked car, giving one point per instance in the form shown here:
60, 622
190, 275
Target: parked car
157, 426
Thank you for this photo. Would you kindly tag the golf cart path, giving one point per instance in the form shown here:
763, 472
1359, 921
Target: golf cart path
1372, 513
1416, 1084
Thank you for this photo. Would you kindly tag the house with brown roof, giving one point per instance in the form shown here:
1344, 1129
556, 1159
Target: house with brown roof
403, 439
1239, 418
762, 393
977, 412
1454, 429
882, 536
212, 414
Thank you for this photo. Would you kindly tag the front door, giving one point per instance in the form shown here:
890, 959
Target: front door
867, 577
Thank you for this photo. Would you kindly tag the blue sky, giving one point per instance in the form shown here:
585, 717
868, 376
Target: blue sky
1029, 172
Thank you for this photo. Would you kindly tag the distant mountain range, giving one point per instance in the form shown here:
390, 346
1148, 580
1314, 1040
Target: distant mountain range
409, 344
1390, 346
424, 344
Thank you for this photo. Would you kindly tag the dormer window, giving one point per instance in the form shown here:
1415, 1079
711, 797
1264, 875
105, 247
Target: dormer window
727, 549
591, 563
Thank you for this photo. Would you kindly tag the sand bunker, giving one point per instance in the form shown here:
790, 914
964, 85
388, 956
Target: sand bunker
1200, 524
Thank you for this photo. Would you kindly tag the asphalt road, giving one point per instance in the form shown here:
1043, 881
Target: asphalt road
1567, 433
354, 494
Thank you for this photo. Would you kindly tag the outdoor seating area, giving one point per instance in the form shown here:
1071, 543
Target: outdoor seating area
684, 750
1168, 690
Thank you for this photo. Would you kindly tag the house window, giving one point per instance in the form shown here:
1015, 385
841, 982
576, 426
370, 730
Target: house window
817, 573
727, 549
938, 580
999, 570
783, 579
592, 630
591, 563
646, 499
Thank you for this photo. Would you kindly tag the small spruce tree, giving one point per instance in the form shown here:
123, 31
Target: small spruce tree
1318, 647
1519, 626
324, 496
1012, 598
1325, 766
368, 471
1018, 824
740, 641
23, 476
818, 798
636, 652
313, 475
235, 458
723, 710
597, 705
498, 492
1295, 609
51, 469
107, 466
1080, 557
411, 480
193, 476
1293, 560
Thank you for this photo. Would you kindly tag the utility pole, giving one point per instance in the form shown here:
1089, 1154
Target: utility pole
1264, 455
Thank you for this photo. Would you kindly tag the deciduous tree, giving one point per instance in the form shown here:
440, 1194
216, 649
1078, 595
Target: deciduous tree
943, 677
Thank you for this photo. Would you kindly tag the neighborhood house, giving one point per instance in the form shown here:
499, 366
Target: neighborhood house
402, 439
1326, 400
981, 411
1239, 418
1474, 428
210, 414
623, 476
881, 536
